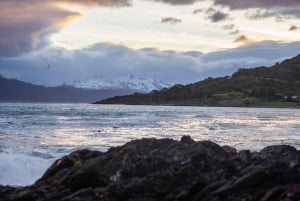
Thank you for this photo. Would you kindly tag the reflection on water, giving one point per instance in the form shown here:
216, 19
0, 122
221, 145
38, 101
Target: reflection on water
56, 129
32, 136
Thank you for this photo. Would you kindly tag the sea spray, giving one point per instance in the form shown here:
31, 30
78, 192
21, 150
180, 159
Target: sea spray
17, 169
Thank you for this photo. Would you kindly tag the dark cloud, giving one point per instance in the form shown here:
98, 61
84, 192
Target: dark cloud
198, 11
294, 28
114, 61
259, 14
245, 4
264, 53
98, 2
291, 12
233, 4
125, 2
178, 2
277, 7
170, 20
27, 25
216, 15
233, 30
281, 18
244, 40
103, 59
25, 28
109, 3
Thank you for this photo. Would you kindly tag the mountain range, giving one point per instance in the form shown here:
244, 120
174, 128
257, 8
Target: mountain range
131, 82
278, 85
89, 90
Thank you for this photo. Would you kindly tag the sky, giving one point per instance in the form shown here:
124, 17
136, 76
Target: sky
51, 42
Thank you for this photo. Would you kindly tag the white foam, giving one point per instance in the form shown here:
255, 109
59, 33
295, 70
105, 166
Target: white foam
20, 170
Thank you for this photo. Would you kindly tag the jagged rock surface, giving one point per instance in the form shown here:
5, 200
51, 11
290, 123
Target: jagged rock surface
168, 170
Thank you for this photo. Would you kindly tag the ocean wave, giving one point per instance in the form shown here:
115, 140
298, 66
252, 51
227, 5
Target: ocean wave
17, 169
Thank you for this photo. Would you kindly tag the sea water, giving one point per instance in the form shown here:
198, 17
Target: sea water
33, 136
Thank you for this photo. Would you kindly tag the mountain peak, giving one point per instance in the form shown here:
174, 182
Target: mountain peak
131, 82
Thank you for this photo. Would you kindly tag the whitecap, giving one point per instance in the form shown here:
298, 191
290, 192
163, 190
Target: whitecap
20, 170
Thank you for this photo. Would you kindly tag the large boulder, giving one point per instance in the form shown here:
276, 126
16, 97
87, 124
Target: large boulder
167, 170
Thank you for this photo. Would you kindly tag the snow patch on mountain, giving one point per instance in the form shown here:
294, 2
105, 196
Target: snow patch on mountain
131, 82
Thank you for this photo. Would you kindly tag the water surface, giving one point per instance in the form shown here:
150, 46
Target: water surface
32, 136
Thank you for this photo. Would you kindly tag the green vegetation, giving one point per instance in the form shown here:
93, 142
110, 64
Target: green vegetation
276, 86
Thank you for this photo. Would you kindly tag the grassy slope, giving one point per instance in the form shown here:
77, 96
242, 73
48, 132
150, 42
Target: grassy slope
261, 86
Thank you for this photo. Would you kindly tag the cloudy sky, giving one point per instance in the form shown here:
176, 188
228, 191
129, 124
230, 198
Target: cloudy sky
177, 41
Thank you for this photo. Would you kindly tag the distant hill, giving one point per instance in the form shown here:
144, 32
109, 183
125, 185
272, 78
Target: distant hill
12, 90
278, 85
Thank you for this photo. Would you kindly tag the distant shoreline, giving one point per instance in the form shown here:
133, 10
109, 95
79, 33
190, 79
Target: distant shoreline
191, 105
171, 105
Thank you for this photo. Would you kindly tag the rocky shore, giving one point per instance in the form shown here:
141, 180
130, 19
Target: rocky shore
168, 170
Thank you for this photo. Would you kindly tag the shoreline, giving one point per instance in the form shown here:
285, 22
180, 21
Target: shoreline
171, 105
165, 169
190, 105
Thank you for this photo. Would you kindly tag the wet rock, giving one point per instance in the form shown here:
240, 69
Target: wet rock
230, 150
187, 139
168, 170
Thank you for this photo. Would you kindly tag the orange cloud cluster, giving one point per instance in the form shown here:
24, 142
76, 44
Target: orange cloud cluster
245, 40
27, 24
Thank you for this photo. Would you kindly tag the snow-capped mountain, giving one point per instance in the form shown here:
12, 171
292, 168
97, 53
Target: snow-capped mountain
131, 82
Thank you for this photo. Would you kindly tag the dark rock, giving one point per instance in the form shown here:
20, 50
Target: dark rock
230, 150
167, 170
187, 139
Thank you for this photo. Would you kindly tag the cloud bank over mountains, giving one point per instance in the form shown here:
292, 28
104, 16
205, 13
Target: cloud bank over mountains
55, 66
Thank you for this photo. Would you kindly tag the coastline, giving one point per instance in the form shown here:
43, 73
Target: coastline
297, 106
164, 169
